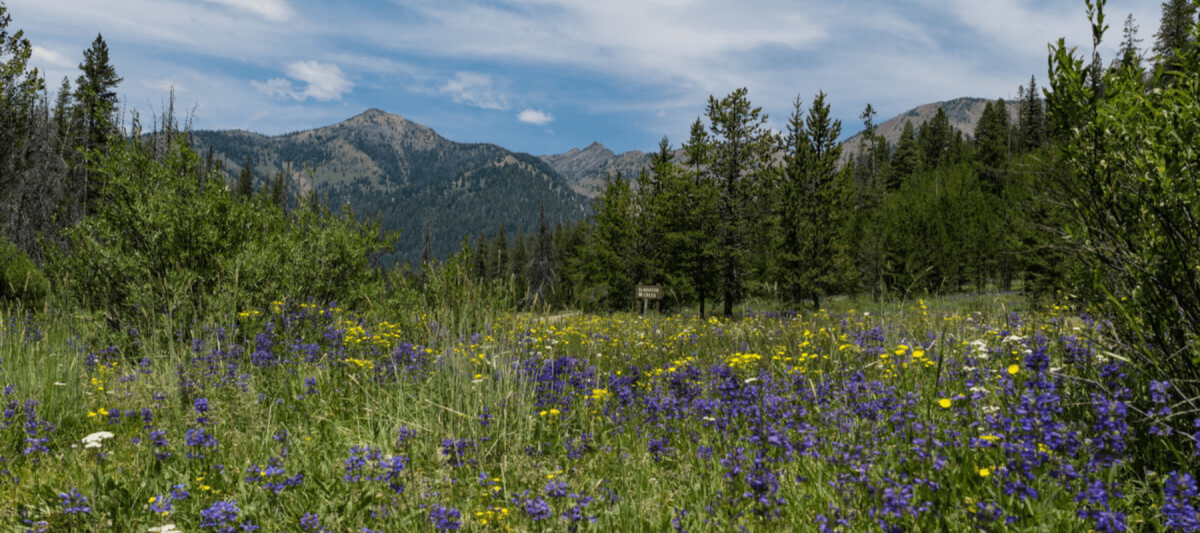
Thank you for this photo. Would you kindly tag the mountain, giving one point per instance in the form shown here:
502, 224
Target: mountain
586, 169
963, 113
383, 165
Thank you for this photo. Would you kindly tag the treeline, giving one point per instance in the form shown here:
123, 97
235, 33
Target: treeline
746, 212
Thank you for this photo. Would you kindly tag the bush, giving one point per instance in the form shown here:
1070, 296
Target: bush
1131, 189
167, 237
20, 280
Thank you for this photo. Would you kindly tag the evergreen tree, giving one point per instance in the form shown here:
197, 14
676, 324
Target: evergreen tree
499, 268
1174, 34
62, 113
1128, 56
95, 92
698, 147
1033, 118
481, 257
742, 151
520, 261
991, 146
698, 216
245, 182
426, 253
279, 192
542, 274
869, 169
813, 203
905, 159
608, 263
935, 140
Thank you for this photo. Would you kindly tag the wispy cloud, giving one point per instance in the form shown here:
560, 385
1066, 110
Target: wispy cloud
535, 117
50, 58
271, 10
623, 72
474, 89
325, 82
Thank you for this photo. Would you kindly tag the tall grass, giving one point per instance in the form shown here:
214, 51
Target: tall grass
902, 416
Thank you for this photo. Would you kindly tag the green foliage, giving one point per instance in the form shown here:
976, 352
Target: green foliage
992, 139
20, 279
1174, 35
1130, 189
160, 241
742, 148
1032, 127
608, 265
542, 275
245, 181
905, 159
813, 256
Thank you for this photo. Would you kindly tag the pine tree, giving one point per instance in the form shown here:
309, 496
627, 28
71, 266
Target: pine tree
991, 146
500, 251
1174, 34
698, 147
869, 169
813, 203
742, 151
905, 159
542, 275
62, 113
481, 257
245, 182
95, 92
1128, 56
279, 192
608, 273
935, 140
1032, 132
699, 217
426, 251
520, 261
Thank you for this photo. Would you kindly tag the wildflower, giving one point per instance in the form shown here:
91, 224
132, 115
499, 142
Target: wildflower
944, 402
95, 439
1013, 369
160, 505
445, 518
168, 528
311, 523
74, 502
985, 472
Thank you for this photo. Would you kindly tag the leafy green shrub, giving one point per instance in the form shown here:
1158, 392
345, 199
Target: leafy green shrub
167, 237
20, 279
1131, 190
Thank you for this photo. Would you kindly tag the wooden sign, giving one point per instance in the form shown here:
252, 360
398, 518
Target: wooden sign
649, 292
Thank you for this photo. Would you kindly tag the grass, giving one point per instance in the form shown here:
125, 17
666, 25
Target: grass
952, 414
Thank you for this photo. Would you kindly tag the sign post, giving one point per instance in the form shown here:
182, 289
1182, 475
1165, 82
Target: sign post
647, 293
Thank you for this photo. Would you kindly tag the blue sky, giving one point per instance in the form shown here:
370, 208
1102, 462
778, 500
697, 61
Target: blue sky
544, 76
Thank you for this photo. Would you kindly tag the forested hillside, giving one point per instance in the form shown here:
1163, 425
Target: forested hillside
403, 173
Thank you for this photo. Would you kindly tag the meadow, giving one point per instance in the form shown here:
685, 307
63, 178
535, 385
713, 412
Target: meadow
967, 413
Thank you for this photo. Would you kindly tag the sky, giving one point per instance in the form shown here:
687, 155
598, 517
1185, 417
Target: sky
545, 76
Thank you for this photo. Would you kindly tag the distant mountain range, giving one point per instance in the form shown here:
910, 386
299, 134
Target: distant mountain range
385, 166
409, 176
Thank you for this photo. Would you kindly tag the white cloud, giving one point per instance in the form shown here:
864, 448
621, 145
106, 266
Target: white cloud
43, 57
325, 82
537, 118
271, 10
474, 89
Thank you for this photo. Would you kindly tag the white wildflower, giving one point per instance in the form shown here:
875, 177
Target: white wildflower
169, 528
95, 439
